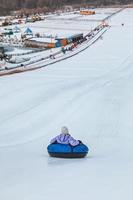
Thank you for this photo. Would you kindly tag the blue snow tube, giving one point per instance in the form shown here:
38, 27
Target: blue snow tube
67, 151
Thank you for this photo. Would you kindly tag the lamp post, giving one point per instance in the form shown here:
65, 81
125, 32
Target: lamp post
51, 43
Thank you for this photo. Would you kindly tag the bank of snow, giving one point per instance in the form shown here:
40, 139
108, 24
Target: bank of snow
91, 94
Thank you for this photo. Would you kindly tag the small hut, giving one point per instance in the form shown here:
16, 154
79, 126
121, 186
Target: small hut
41, 42
87, 12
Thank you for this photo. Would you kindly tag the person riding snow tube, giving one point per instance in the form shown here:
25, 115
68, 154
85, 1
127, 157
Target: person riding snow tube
65, 146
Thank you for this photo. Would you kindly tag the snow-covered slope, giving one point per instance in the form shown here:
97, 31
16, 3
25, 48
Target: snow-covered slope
92, 94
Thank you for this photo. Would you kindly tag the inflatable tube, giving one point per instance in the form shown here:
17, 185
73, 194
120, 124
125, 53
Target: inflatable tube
67, 151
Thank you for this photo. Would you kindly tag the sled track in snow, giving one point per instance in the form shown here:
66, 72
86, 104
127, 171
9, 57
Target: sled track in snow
83, 89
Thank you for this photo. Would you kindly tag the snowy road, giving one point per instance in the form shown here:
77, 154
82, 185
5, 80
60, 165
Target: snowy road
91, 94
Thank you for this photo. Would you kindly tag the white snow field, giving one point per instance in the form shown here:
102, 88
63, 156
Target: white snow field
92, 94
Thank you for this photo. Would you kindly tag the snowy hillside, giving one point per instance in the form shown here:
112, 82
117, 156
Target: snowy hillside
91, 93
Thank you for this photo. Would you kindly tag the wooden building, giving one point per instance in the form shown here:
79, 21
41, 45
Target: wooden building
87, 12
67, 39
40, 43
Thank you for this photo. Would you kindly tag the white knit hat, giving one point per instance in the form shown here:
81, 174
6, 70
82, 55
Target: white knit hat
64, 130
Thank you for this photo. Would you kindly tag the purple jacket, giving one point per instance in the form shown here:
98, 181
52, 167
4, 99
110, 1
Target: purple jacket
65, 139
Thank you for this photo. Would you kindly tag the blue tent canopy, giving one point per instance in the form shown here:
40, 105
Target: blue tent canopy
29, 31
16, 29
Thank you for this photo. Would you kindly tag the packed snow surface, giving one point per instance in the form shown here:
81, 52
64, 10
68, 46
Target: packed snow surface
92, 94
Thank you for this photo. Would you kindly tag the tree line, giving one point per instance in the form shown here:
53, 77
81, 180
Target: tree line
11, 5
